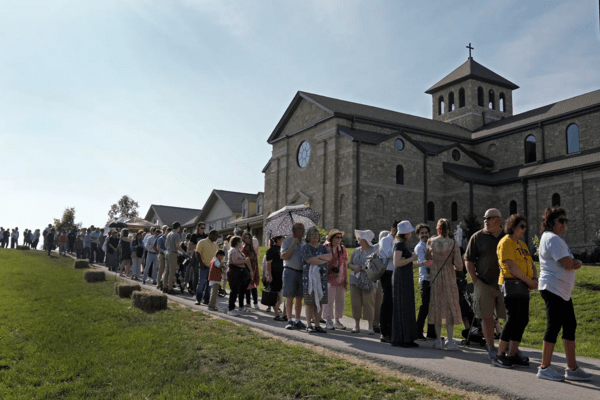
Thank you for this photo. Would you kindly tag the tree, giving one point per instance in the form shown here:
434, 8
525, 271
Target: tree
67, 222
125, 207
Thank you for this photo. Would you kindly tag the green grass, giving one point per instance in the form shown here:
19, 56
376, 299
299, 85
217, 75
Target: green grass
586, 296
61, 337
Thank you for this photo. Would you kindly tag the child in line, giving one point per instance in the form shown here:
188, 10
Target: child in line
214, 278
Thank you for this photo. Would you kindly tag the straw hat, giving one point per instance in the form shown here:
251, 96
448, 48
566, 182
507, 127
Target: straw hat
333, 232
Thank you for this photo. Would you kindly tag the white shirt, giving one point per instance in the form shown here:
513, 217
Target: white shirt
553, 276
386, 249
149, 243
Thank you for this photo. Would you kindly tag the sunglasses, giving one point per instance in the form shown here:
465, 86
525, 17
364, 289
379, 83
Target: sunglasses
337, 237
523, 226
563, 220
488, 218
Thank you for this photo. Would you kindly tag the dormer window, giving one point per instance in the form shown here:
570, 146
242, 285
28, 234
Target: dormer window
259, 205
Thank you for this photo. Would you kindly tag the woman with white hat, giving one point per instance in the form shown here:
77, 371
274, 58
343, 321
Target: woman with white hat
362, 290
404, 322
337, 280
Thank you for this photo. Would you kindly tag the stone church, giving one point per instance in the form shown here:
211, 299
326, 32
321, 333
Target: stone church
362, 167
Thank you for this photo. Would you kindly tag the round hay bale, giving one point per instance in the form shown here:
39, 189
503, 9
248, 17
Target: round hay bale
149, 302
23, 248
80, 264
126, 289
94, 276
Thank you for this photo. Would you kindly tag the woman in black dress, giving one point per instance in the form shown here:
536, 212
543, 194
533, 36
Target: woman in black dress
404, 322
275, 271
125, 244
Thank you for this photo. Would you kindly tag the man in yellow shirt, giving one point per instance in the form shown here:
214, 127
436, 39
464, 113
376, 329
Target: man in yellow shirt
206, 249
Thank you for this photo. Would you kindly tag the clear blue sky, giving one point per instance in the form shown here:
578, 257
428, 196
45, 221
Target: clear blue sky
166, 100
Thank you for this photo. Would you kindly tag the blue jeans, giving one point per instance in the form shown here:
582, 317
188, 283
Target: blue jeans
203, 289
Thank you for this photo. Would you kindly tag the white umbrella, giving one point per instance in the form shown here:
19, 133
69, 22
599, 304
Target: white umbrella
281, 221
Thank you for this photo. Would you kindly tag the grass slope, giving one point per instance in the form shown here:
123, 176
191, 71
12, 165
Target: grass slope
61, 337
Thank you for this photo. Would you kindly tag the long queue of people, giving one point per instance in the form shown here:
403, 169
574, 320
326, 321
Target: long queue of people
305, 270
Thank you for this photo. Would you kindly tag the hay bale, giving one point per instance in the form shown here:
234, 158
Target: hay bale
23, 248
126, 289
94, 276
149, 302
80, 264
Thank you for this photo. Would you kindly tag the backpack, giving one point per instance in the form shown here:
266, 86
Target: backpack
375, 267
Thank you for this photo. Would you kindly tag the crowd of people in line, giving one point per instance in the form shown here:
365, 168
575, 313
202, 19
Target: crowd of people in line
306, 268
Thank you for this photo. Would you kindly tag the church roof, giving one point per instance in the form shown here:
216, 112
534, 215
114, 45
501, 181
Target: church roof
581, 103
349, 110
471, 70
550, 168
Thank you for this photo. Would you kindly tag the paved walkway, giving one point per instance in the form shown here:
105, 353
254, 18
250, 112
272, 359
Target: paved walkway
468, 369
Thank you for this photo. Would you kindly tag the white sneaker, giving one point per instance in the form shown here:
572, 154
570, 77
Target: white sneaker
451, 345
437, 345
338, 325
577, 375
233, 313
256, 306
329, 325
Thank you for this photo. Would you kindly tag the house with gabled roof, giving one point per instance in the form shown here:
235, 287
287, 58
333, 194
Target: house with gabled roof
362, 167
224, 209
166, 215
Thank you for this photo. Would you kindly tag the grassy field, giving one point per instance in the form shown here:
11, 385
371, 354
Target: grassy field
586, 297
61, 337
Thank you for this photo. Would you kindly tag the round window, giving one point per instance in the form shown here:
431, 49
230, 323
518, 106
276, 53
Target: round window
399, 144
303, 154
455, 155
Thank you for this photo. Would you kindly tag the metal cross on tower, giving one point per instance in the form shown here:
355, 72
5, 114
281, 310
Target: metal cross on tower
470, 48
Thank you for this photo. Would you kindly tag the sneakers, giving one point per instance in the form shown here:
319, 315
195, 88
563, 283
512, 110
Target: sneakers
370, 332
522, 357
329, 325
421, 337
338, 325
299, 325
212, 308
492, 351
290, 324
518, 361
502, 361
549, 374
576, 374
256, 306
451, 345
233, 313
437, 345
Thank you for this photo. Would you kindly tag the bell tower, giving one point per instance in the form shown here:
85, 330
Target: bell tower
472, 96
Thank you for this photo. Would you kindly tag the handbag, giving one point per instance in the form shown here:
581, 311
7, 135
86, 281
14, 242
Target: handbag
363, 282
269, 298
515, 289
375, 267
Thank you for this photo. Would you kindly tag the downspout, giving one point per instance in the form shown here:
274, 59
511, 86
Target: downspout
357, 205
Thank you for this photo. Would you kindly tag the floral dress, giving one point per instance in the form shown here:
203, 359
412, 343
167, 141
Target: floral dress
309, 251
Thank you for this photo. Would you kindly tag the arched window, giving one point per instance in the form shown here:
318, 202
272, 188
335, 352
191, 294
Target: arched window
342, 205
454, 211
556, 200
492, 103
502, 102
572, 139
430, 211
379, 206
451, 101
530, 150
480, 96
513, 207
441, 105
461, 98
399, 175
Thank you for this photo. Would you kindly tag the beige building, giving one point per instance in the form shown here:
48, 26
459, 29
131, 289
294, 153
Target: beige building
363, 166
